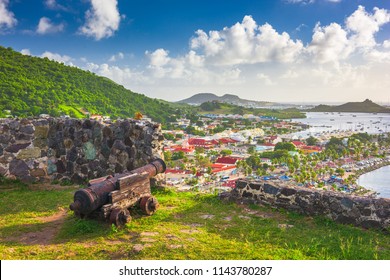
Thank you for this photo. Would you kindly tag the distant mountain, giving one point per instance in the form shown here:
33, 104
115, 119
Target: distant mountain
200, 98
367, 106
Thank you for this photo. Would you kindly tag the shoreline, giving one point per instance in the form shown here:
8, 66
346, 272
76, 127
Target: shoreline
368, 170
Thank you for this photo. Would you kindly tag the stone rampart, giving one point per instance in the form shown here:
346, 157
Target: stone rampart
38, 150
344, 208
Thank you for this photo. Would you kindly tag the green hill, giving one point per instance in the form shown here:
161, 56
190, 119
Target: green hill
367, 106
30, 86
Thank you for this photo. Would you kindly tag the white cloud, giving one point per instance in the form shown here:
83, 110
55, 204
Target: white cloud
246, 43
57, 57
158, 58
53, 5
121, 75
260, 62
102, 20
7, 18
329, 44
45, 26
290, 74
25, 52
365, 25
265, 79
116, 57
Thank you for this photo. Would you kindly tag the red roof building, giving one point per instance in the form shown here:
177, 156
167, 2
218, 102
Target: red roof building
218, 168
177, 171
298, 144
177, 148
228, 160
204, 143
227, 141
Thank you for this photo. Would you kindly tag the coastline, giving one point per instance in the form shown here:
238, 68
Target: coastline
369, 169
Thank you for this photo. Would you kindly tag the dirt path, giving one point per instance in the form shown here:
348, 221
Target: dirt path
46, 235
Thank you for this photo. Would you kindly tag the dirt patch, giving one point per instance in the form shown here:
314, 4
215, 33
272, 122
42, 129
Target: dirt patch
46, 235
207, 216
146, 233
189, 231
262, 213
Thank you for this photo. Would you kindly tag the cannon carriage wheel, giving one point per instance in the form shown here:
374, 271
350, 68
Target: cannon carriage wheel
120, 217
149, 205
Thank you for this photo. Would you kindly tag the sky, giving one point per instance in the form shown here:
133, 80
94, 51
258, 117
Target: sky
302, 51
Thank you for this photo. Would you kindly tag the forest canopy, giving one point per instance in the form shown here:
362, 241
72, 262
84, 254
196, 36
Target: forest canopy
30, 86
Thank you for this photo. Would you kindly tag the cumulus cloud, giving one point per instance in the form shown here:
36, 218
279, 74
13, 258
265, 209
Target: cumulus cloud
45, 26
253, 59
365, 25
53, 5
246, 43
7, 18
102, 19
126, 76
25, 52
57, 57
265, 79
329, 44
116, 57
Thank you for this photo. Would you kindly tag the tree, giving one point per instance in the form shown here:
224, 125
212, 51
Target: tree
226, 152
178, 155
167, 156
340, 171
199, 150
284, 146
251, 150
311, 141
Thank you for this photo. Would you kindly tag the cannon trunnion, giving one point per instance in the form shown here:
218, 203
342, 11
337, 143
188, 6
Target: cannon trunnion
110, 197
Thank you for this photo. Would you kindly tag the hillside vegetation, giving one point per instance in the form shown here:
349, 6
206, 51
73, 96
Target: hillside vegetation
30, 86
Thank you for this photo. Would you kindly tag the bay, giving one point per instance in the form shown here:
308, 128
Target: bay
377, 180
342, 123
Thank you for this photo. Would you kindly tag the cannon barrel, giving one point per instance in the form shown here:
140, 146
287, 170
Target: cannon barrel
96, 194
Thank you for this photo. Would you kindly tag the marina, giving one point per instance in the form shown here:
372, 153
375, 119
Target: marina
326, 125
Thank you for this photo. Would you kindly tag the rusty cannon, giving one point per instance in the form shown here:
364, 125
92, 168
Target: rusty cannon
110, 197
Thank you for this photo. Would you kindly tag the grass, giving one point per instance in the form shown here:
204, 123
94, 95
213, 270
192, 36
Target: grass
72, 111
188, 225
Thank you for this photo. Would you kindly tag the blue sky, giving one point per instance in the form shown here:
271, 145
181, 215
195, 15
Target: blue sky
274, 50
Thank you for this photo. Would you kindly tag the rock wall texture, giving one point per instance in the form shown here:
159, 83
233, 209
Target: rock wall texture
38, 150
361, 211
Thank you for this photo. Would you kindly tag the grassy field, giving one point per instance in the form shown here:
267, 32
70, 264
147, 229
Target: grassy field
35, 223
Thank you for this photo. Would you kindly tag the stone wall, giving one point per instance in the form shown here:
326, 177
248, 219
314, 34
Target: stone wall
361, 211
38, 150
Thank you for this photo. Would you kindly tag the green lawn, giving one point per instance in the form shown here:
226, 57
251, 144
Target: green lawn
36, 224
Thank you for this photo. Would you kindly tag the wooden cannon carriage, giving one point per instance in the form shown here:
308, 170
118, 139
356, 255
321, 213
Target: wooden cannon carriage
109, 198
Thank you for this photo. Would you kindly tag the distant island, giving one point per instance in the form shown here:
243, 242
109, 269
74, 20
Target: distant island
200, 98
367, 106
